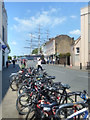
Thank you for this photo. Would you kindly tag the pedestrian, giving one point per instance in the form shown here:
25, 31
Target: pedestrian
58, 60
48, 61
21, 62
64, 64
24, 62
39, 64
7, 64
13, 63
53, 60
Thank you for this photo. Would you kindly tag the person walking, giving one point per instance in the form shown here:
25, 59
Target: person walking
7, 64
53, 60
64, 64
21, 62
24, 62
39, 65
13, 63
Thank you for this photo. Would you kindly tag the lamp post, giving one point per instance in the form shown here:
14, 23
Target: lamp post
56, 48
56, 52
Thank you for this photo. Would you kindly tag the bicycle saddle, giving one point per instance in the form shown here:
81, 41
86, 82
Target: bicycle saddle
51, 77
75, 93
65, 86
49, 105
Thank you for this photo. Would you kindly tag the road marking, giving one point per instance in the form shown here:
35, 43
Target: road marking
57, 71
83, 76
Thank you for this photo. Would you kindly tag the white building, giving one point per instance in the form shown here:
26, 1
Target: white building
75, 56
85, 36
81, 48
3, 36
49, 48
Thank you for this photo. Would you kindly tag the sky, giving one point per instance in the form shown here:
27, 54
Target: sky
54, 18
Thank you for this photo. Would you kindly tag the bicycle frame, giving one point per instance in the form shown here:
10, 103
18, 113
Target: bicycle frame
84, 110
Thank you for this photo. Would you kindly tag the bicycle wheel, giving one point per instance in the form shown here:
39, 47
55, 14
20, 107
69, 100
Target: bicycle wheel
21, 89
64, 100
23, 103
64, 113
25, 99
12, 78
31, 113
14, 85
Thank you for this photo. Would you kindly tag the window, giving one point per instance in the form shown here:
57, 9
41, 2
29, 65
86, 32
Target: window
77, 50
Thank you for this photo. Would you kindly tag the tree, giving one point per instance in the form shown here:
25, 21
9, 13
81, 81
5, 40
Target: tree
42, 57
35, 51
64, 55
14, 56
9, 58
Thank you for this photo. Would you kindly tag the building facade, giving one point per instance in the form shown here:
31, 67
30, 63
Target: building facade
49, 48
75, 55
3, 36
59, 45
85, 36
63, 44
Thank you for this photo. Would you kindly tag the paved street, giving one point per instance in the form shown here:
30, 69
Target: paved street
77, 79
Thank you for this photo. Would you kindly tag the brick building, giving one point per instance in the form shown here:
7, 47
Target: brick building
63, 44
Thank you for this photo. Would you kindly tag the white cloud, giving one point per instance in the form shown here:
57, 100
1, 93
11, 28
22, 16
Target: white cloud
45, 18
59, 20
13, 43
53, 10
28, 11
73, 16
75, 32
33, 35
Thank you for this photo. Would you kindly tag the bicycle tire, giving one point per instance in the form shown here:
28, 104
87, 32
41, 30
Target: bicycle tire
31, 114
14, 85
21, 89
22, 108
12, 78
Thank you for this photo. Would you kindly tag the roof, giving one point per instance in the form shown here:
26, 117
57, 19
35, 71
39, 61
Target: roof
62, 36
51, 39
58, 36
76, 42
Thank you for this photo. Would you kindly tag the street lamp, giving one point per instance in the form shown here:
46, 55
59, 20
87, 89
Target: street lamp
56, 48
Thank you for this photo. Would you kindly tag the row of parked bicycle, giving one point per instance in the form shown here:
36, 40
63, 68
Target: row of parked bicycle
40, 98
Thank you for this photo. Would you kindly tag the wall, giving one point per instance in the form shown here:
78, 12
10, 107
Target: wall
0, 58
50, 48
89, 52
89, 35
85, 37
4, 24
64, 44
0, 35
77, 55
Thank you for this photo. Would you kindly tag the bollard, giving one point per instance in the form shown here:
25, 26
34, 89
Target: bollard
80, 66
